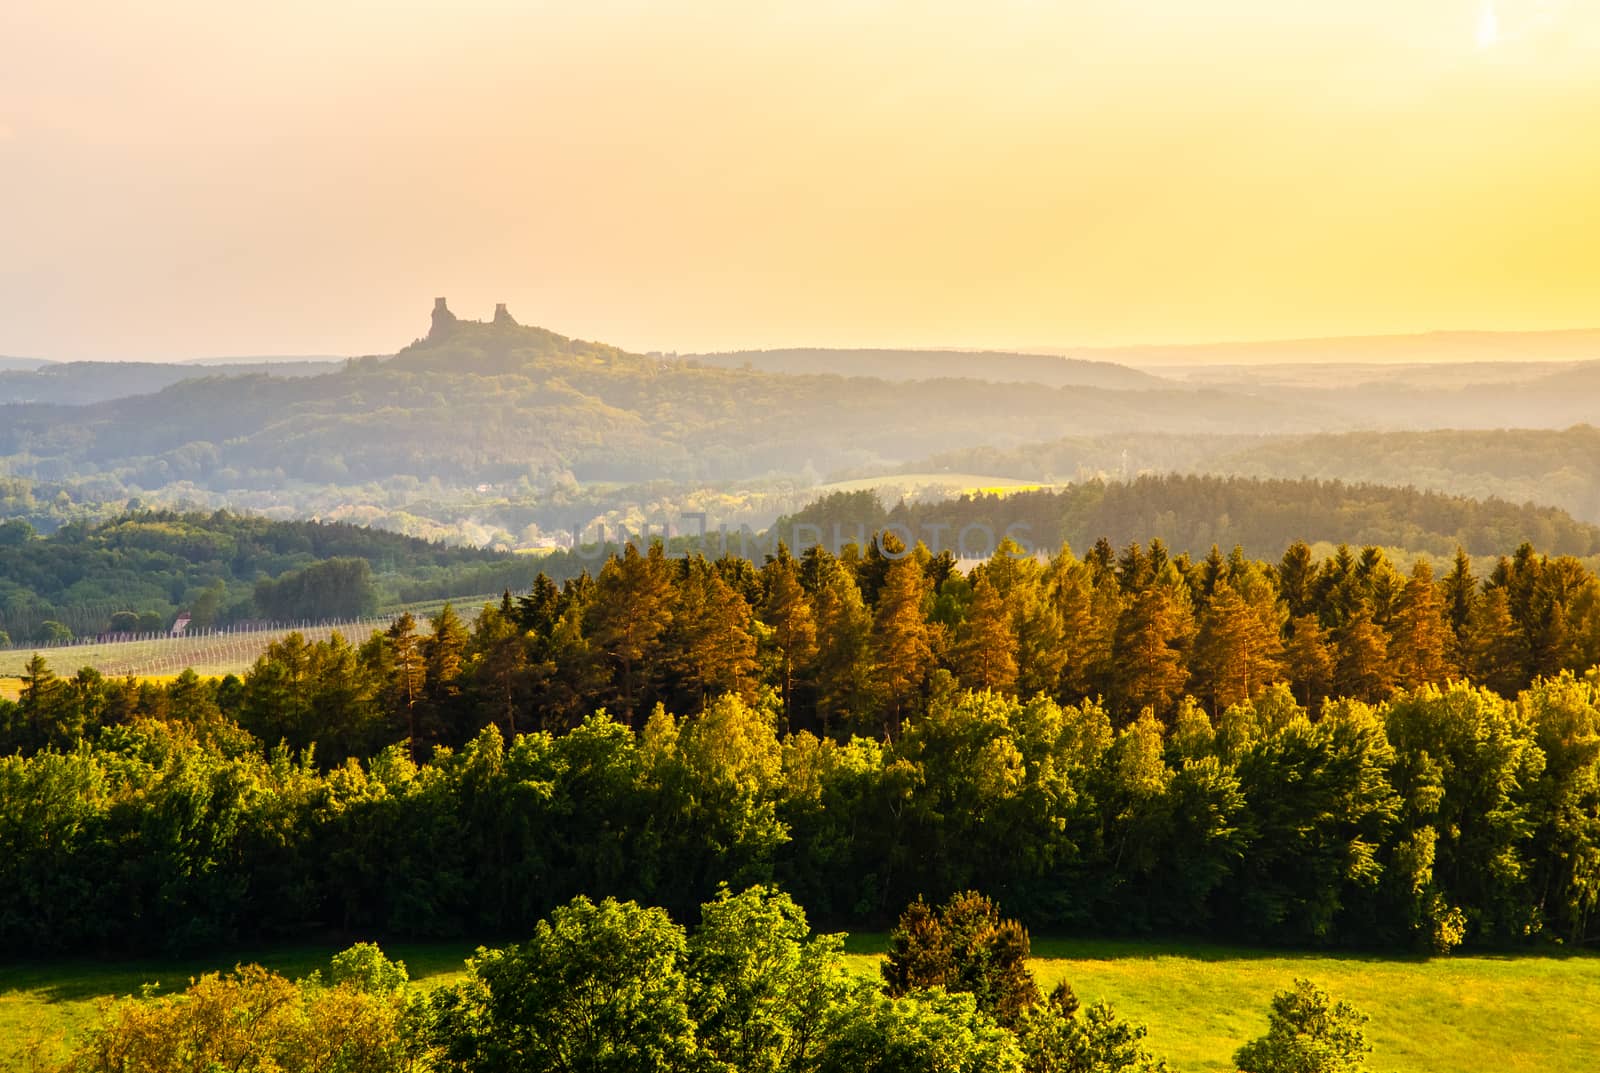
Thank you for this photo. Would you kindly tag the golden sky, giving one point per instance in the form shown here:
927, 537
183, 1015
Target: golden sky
187, 178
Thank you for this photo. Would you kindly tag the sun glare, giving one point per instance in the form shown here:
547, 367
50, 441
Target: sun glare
1488, 25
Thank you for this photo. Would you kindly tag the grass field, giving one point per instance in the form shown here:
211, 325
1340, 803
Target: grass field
47, 1004
211, 654
953, 484
1454, 1015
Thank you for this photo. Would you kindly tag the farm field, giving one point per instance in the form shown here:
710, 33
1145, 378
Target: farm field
948, 483
209, 654
1452, 1015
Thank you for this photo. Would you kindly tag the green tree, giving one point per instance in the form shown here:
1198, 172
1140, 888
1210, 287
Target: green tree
985, 653
901, 643
964, 946
1057, 1038
1238, 651
1149, 650
787, 611
632, 607
1308, 1033
600, 988
1420, 638
764, 994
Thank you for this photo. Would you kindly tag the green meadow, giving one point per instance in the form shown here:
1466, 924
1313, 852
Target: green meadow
1461, 1014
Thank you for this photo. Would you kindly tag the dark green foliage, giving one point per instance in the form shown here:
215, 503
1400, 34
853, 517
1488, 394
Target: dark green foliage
224, 568
333, 588
453, 780
965, 946
1309, 1033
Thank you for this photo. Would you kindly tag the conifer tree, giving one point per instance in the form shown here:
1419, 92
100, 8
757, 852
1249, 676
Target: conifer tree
901, 644
1361, 658
1494, 646
1420, 639
407, 673
840, 666
985, 655
708, 647
632, 606
787, 611
443, 652
1309, 659
1238, 651
1150, 661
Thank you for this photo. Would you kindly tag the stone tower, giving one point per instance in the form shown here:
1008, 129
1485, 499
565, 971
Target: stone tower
502, 317
444, 321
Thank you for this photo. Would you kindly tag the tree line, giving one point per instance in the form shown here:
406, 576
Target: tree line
859, 642
221, 568
1437, 817
615, 987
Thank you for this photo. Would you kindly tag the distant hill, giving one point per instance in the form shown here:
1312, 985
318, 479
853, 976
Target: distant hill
1556, 468
21, 364
258, 360
1451, 347
1190, 513
224, 568
81, 383
496, 403
901, 365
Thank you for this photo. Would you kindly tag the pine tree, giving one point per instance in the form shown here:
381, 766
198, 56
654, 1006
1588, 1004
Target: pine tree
1150, 665
708, 647
1238, 651
1309, 658
985, 655
632, 606
443, 652
1460, 599
1361, 658
1420, 638
787, 611
407, 673
497, 661
840, 666
1494, 646
901, 642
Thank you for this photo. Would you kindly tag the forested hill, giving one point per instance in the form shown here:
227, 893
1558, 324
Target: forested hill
1552, 467
77, 383
1191, 513
502, 403
997, 366
221, 568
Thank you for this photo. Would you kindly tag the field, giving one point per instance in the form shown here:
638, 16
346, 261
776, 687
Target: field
44, 1004
211, 654
920, 485
1455, 1015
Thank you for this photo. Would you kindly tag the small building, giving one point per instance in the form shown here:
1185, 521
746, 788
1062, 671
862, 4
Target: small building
181, 626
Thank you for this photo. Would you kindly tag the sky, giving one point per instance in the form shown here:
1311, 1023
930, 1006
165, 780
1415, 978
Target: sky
183, 179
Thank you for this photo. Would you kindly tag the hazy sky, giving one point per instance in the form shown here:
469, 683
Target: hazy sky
199, 178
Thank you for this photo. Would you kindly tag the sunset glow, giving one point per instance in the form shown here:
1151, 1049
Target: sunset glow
303, 178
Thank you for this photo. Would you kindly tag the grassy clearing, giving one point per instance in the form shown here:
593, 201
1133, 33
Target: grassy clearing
47, 1004
1452, 1015
10, 688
